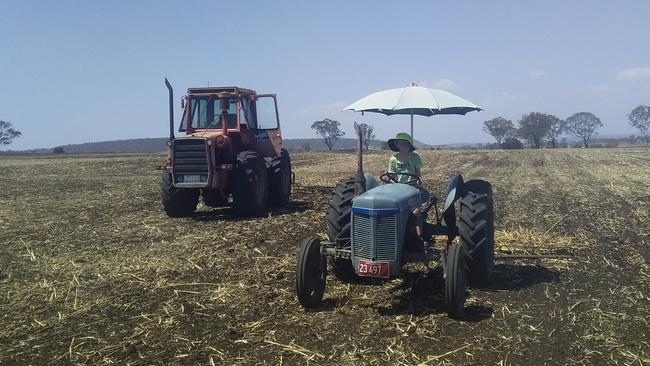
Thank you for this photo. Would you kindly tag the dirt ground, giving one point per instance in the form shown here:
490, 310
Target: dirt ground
93, 272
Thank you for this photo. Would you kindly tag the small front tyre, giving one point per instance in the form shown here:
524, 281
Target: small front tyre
177, 202
311, 270
455, 281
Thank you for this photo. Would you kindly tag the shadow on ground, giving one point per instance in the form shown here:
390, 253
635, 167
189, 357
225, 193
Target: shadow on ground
423, 293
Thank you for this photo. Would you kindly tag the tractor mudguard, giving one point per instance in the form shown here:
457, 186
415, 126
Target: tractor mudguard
371, 181
454, 192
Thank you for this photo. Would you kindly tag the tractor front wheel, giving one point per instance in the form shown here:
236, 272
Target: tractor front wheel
177, 202
311, 270
455, 281
250, 189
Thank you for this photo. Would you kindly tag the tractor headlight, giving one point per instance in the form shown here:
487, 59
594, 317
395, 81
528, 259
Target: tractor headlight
221, 141
169, 143
209, 142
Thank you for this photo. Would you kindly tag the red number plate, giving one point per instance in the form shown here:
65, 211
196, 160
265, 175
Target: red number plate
372, 269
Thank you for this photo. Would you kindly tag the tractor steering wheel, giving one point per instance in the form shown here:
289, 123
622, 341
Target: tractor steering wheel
389, 177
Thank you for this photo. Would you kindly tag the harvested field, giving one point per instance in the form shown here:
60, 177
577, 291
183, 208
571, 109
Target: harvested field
92, 271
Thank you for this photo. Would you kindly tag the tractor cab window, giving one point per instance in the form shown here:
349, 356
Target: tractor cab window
206, 112
246, 114
267, 114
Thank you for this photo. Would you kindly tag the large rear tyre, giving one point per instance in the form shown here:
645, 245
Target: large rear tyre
311, 270
250, 185
177, 202
455, 281
280, 179
476, 227
338, 227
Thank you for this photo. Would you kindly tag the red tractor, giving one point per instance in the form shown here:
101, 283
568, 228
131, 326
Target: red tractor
231, 153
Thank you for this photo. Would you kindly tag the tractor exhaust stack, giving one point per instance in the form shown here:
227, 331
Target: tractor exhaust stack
171, 110
359, 178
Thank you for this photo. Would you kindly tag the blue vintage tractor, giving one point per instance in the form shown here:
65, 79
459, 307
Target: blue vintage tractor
371, 231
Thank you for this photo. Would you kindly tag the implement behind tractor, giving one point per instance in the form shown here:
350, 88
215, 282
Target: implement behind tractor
371, 231
231, 153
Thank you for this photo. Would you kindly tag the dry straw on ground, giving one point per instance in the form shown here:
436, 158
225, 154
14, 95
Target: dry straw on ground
91, 271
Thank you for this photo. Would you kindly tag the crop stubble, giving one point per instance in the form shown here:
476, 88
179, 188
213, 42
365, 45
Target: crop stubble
91, 271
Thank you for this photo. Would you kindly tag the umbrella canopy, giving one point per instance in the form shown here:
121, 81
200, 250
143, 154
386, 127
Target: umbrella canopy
413, 100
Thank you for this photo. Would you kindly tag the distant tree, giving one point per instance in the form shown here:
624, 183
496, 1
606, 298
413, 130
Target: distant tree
534, 126
58, 150
499, 128
640, 119
329, 130
367, 134
7, 133
384, 145
584, 125
512, 143
558, 128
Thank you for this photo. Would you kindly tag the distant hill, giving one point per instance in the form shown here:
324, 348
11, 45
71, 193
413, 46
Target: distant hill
150, 145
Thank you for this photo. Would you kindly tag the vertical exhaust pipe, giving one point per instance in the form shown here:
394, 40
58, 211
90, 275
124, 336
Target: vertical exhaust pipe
171, 110
359, 178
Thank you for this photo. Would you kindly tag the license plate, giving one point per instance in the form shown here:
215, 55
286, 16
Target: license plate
374, 269
191, 178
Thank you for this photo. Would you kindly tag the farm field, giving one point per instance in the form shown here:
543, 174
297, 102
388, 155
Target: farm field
92, 271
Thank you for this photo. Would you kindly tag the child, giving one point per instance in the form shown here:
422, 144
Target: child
406, 160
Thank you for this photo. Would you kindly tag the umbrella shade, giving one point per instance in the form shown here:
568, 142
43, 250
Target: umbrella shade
413, 100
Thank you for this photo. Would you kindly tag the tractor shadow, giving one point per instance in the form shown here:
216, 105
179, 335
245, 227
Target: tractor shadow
229, 214
423, 293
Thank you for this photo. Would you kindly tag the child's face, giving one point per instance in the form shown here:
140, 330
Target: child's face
403, 146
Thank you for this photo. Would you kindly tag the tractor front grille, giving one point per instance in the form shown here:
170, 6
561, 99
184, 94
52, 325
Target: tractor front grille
374, 237
191, 166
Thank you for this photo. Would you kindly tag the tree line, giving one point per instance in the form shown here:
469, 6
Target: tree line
535, 128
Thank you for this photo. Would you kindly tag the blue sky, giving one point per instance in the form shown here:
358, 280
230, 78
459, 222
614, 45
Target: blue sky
82, 71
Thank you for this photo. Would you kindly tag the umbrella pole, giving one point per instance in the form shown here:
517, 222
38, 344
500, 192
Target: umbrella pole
413, 137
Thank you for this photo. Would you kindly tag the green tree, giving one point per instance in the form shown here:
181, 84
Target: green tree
58, 150
367, 134
329, 131
534, 126
640, 119
584, 125
499, 128
7, 133
558, 128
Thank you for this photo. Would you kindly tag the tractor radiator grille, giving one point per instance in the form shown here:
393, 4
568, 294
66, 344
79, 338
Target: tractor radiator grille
190, 161
386, 238
362, 236
383, 229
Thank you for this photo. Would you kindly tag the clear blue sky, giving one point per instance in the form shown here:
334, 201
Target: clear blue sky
82, 71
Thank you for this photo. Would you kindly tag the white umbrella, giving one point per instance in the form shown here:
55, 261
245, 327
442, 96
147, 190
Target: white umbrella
412, 100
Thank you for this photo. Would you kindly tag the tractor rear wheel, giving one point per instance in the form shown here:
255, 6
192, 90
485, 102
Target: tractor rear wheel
339, 219
311, 271
455, 281
250, 184
280, 179
177, 202
476, 227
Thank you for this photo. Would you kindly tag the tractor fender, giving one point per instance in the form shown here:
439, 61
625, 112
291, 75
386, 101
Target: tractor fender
454, 190
371, 181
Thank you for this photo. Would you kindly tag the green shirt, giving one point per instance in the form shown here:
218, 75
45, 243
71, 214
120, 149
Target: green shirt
410, 166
